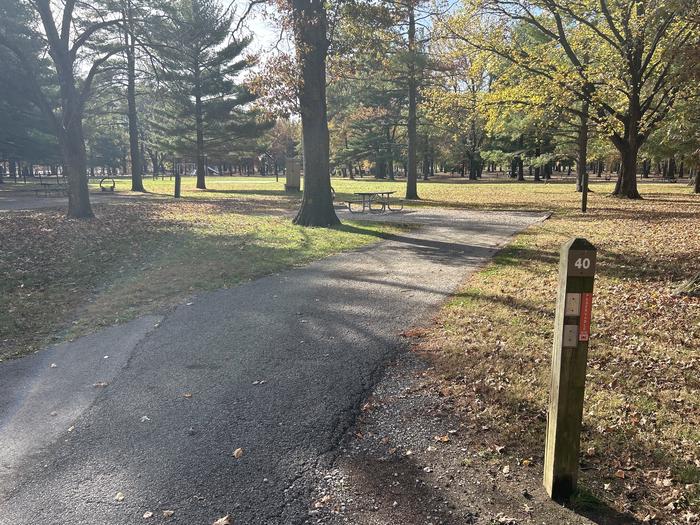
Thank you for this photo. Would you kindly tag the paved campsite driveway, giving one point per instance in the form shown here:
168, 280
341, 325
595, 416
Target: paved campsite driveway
278, 367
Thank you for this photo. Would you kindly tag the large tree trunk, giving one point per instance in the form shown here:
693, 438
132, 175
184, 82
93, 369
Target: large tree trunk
521, 171
628, 145
69, 127
626, 185
310, 27
696, 187
72, 142
472, 167
381, 168
671, 173
130, 48
73, 148
412, 173
538, 169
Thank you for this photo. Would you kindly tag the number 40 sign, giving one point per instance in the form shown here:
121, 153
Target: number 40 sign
582, 263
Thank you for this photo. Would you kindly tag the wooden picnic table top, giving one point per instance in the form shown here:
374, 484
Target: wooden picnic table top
374, 192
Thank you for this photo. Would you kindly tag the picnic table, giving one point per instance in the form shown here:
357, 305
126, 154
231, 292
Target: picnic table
48, 189
368, 199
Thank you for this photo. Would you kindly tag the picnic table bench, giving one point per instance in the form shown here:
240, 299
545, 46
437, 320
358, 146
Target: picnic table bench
368, 199
48, 190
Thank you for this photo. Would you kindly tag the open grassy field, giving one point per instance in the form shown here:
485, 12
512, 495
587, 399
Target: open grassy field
489, 194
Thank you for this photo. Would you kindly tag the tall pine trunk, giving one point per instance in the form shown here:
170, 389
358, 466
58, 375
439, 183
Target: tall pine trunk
412, 173
134, 150
199, 128
310, 27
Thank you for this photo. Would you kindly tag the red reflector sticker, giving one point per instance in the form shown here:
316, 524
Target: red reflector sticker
584, 326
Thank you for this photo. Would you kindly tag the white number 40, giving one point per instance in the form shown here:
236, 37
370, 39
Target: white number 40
583, 263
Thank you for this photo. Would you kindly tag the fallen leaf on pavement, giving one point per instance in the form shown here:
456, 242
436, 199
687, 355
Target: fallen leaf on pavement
442, 439
223, 521
119, 497
148, 514
238, 453
322, 502
168, 513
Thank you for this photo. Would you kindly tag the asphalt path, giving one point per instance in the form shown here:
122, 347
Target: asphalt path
278, 367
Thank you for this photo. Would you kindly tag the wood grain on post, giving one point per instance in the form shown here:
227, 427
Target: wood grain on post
569, 361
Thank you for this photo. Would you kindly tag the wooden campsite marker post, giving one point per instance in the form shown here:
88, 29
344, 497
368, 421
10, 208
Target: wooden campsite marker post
572, 330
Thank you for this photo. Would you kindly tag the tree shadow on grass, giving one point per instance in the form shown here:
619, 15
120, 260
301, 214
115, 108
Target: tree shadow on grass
524, 435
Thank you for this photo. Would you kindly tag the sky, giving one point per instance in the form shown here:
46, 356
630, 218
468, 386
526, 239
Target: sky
265, 31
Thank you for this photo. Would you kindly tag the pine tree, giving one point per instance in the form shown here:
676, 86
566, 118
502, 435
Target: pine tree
206, 107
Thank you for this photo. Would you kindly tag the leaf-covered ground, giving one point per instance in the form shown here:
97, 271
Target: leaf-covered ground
61, 278
492, 346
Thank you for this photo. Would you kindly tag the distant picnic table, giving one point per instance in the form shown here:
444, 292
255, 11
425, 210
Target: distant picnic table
370, 200
48, 189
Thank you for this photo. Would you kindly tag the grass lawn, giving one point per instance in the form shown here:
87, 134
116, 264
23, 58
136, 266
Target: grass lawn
444, 192
61, 278
491, 344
